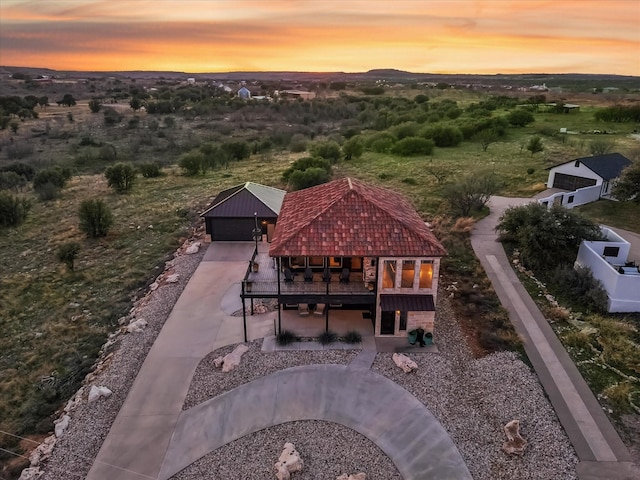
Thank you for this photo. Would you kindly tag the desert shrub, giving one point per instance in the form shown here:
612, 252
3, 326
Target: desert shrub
120, 177
601, 146
193, 163
22, 169
545, 237
111, 116
11, 181
305, 163
580, 285
108, 153
530, 170
578, 340
329, 150
618, 396
95, 218
411, 146
57, 176
300, 179
405, 129
520, 117
353, 148
13, 209
285, 337
298, 143
237, 150
443, 135
327, 338
352, 337
380, 142
18, 150
67, 253
150, 169
48, 192
471, 193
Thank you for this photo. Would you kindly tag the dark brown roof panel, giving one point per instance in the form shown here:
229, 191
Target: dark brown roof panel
407, 303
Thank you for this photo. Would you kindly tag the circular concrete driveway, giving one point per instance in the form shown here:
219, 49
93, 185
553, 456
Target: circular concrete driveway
369, 403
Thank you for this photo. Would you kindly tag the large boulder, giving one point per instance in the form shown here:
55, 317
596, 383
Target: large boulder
515, 444
96, 392
42, 451
405, 363
61, 425
231, 360
193, 248
136, 326
288, 462
31, 473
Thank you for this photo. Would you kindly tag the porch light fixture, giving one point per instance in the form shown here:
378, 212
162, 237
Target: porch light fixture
257, 232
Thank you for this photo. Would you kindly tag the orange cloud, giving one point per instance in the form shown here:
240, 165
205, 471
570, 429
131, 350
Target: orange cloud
437, 36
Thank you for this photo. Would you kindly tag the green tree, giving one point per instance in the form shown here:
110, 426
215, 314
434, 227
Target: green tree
95, 105
14, 125
43, 102
135, 103
520, 118
13, 209
95, 218
535, 145
48, 182
67, 253
487, 137
305, 163
627, 188
353, 148
471, 193
67, 100
193, 163
120, 177
545, 237
443, 135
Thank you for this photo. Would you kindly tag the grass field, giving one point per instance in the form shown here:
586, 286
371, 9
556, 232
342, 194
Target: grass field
55, 321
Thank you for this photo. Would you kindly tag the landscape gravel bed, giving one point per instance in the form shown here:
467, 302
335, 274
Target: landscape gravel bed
472, 398
327, 450
76, 450
209, 381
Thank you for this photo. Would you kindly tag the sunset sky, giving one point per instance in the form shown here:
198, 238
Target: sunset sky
435, 36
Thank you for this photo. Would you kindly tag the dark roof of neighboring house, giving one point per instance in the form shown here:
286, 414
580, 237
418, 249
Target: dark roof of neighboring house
607, 166
350, 218
246, 200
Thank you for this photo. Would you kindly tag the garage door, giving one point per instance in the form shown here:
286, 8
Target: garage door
571, 182
226, 230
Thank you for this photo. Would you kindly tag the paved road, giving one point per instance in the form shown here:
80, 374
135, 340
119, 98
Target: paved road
602, 453
406, 432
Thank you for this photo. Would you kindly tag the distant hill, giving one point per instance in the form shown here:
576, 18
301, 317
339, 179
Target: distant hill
386, 74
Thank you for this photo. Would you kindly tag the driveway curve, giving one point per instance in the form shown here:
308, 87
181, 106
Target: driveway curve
385, 413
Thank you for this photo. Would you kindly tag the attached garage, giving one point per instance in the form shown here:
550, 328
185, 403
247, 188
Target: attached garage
571, 182
233, 214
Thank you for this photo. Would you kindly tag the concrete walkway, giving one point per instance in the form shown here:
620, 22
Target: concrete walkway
601, 452
136, 444
369, 403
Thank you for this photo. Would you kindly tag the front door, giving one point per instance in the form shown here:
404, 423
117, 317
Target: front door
388, 323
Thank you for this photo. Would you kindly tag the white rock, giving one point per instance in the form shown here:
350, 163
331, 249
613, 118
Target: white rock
61, 425
288, 462
405, 363
173, 278
154, 286
515, 444
96, 392
231, 360
193, 248
31, 473
43, 451
136, 326
217, 362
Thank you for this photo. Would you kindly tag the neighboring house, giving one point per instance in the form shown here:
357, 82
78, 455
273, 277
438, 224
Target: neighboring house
244, 93
585, 179
233, 214
380, 256
609, 263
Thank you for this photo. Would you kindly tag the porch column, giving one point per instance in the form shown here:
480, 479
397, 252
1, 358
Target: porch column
244, 314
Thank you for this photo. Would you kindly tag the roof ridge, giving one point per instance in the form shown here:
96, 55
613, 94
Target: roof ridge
242, 185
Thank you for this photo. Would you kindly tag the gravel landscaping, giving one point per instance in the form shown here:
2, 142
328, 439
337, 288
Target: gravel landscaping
472, 398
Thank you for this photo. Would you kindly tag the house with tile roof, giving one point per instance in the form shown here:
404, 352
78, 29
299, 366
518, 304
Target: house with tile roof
348, 244
585, 180
234, 213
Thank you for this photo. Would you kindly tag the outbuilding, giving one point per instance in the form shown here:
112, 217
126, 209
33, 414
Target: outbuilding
234, 213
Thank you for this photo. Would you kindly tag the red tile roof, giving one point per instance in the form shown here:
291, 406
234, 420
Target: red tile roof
347, 217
